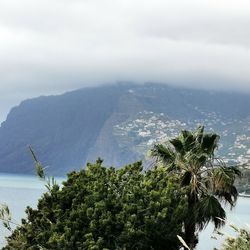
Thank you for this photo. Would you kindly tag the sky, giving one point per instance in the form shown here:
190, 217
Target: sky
52, 46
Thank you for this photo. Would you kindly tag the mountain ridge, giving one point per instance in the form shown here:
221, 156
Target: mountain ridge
113, 122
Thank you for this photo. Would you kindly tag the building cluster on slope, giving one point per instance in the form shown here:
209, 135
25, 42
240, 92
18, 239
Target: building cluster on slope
148, 128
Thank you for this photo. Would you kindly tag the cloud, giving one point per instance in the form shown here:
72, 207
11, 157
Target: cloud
49, 46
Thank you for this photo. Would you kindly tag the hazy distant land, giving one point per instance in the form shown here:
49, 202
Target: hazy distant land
118, 123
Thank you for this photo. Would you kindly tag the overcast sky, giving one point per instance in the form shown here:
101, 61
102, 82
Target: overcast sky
51, 46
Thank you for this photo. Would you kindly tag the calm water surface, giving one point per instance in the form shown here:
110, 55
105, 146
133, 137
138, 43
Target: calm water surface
20, 191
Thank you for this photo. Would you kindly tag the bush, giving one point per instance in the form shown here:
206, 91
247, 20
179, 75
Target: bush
106, 208
241, 242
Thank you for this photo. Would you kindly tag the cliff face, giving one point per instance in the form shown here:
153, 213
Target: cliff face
118, 123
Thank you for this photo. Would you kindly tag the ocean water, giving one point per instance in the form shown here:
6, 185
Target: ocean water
239, 216
20, 191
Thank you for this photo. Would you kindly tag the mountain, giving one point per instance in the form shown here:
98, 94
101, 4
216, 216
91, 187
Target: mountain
118, 123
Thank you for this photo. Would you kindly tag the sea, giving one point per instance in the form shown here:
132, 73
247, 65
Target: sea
20, 191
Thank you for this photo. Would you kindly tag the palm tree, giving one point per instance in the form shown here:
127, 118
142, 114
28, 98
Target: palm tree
206, 181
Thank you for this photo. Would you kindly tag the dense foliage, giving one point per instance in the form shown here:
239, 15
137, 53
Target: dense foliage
106, 208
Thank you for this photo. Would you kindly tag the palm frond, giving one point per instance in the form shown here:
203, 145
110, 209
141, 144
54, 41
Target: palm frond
178, 145
228, 196
199, 133
223, 183
209, 209
186, 134
209, 143
188, 140
162, 153
234, 170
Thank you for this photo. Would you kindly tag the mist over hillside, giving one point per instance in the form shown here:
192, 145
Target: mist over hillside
118, 123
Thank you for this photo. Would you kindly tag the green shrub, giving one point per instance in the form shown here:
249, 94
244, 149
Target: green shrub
241, 242
106, 208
